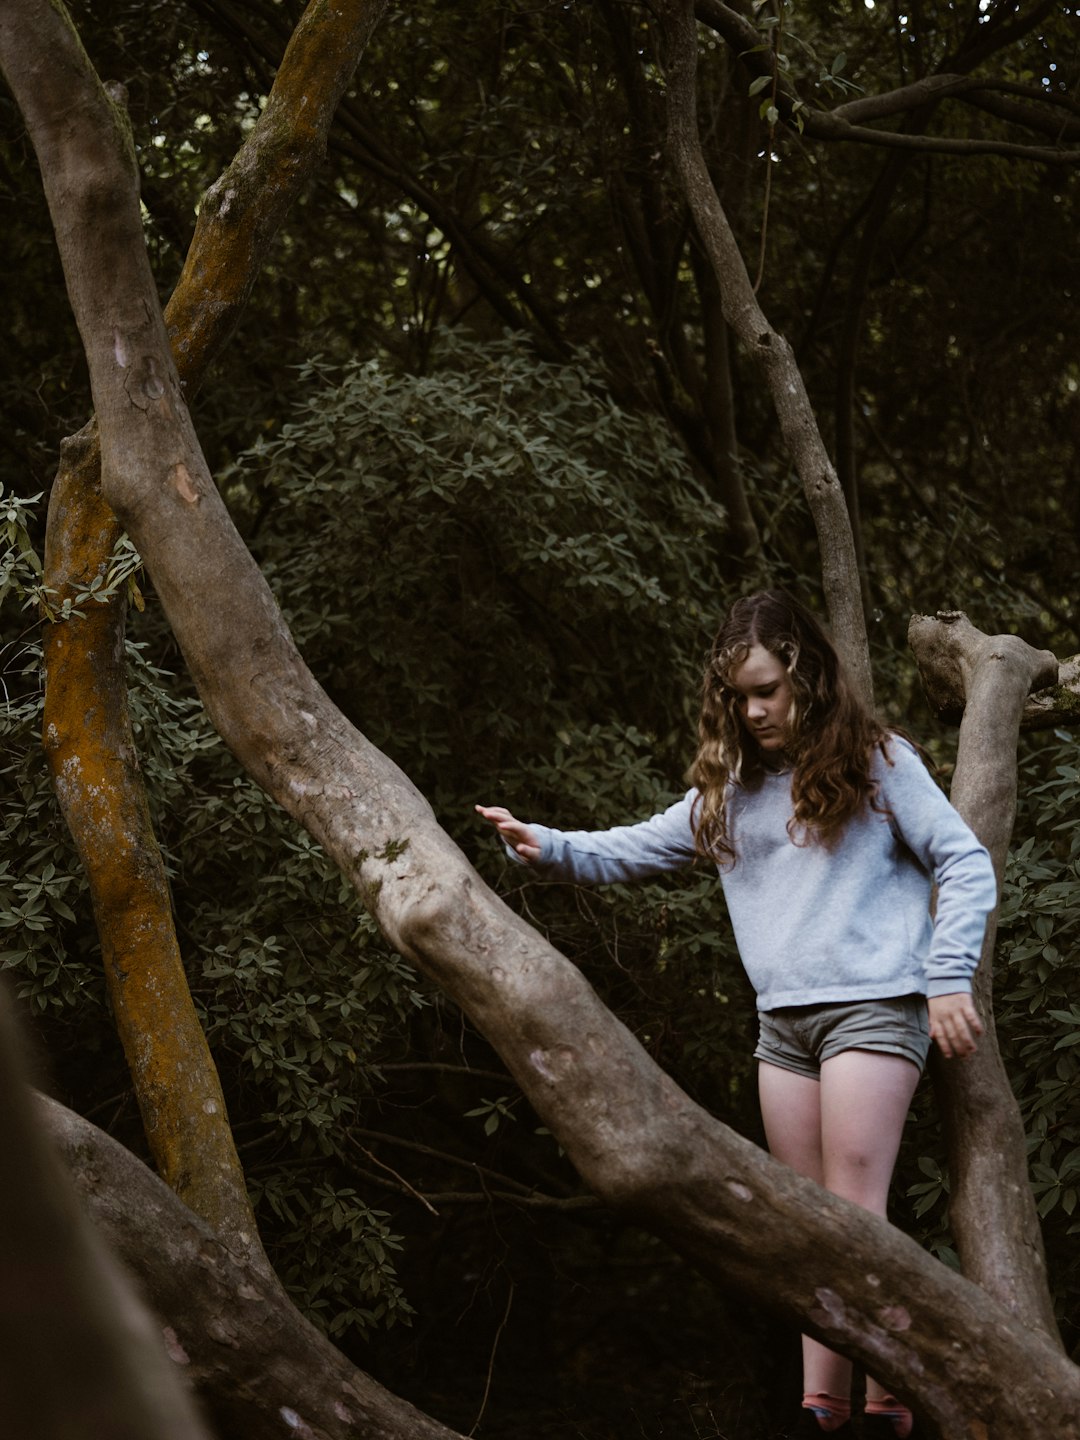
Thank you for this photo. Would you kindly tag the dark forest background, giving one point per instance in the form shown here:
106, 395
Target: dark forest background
485, 431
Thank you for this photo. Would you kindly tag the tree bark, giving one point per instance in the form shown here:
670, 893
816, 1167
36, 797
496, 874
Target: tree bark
87, 729
241, 1344
839, 568
991, 1207
91, 753
252, 1357
81, 1355
1054, 703
844, 1275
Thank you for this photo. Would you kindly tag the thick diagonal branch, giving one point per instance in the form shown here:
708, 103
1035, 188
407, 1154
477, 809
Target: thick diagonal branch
87, 731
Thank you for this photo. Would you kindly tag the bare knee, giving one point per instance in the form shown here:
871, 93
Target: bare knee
857, 1175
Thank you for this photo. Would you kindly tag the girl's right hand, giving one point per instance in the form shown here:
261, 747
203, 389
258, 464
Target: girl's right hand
516, 833
954, 1024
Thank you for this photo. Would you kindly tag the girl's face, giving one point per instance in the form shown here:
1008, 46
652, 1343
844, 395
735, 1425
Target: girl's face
763, 687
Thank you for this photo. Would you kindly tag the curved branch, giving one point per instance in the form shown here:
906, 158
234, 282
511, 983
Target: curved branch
994, 100
247, 1350
841, 124
87, 729
969, 88
771, 350
828, 127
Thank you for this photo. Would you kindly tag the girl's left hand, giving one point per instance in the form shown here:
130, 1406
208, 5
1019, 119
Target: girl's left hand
954, 1024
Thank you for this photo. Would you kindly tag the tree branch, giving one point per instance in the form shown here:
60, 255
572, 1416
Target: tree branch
828, 127
240, 1341
87, 730
995, 1223
745, 316
844, 122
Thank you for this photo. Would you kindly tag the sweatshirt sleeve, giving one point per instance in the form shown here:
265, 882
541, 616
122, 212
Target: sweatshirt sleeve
628, 852
959, 865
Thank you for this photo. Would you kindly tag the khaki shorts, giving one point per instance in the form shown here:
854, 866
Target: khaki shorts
800, 1037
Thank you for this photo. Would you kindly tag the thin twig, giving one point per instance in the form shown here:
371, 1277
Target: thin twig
491, 1361
410, 1189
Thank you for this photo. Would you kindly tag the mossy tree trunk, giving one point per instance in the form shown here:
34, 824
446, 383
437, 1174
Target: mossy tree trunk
87, 729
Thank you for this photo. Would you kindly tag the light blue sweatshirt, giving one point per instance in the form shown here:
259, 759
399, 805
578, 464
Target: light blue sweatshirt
816, 924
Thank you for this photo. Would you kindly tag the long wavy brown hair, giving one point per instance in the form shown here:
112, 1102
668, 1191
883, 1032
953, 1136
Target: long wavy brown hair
831, 736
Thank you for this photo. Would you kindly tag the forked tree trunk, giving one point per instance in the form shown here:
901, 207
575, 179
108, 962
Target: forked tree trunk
846, 1276
991, 1207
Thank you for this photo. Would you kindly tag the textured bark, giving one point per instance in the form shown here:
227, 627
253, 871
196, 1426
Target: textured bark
81, 1355
839, 568
251, 1357
91, 753
1056, 702
242, 211
991, 1207
87, 730
258, 1366
641, 1144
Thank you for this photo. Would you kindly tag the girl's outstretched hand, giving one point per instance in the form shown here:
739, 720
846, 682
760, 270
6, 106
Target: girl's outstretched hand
516, 833
954, 1024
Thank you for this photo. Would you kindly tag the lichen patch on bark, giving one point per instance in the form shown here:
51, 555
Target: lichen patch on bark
185, 487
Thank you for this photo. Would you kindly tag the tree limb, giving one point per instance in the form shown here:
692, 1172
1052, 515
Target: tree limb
241, 1343
770, 349
1055, 702
87, 728
828, 127
842, 122
991, 1207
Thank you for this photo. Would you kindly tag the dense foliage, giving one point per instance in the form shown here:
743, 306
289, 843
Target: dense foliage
476, 427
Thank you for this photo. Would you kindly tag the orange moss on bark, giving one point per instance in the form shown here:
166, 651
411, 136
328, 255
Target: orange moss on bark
87, 729
91, 753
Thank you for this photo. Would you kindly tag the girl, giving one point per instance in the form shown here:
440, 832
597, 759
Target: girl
827, 832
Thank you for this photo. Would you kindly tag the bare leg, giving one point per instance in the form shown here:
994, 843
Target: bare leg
865, 1098
791, 1111
844, 1132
